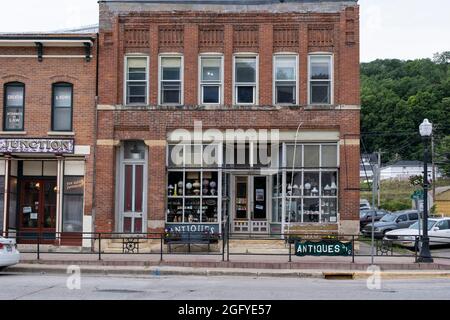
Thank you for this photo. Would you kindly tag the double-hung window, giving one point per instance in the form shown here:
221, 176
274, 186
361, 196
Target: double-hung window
14, 107
136, 80
62, 107
211, 80
320, 79
245, 81
285, 79
170, 81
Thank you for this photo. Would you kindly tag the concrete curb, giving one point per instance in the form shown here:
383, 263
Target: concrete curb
227, 272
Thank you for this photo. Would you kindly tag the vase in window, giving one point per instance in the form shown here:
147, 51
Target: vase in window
171, 189
307, 188
333, 189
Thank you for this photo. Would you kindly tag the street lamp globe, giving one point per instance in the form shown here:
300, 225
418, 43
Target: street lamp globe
426, 128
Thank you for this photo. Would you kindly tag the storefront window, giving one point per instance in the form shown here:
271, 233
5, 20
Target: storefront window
73, 204
193, 194
2, 199
14, 107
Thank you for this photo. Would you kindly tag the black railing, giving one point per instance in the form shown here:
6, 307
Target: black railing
160, 244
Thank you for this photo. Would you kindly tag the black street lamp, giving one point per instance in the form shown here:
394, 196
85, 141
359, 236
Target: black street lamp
426, 129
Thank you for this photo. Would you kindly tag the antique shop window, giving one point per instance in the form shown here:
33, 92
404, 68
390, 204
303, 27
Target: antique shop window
285, 79
171, 80
62, 106
2, 200
133, 187
136, 88
312, 186
73, 202
194, 184
320, 79
245, 80
211, 80
14, 100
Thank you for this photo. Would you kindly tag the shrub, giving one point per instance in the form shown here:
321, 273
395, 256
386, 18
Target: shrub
396, 205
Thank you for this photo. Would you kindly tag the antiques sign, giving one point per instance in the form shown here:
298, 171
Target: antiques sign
323, 248
37, 146
182, 228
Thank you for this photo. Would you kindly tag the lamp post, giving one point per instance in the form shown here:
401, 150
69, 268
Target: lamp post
426, 129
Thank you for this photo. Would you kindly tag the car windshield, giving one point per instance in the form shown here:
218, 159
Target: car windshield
388, 218
418, 225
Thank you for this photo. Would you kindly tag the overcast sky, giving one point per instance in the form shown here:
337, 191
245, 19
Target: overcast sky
404, 29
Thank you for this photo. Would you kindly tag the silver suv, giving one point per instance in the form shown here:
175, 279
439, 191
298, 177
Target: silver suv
397, 220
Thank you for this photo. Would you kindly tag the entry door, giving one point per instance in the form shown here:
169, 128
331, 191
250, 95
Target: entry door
38, 210
133, 200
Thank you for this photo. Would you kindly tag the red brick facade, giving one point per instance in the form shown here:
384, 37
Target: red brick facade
124, 30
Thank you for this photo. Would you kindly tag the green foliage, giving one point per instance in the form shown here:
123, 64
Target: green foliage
396, 96
395, 205
443, 155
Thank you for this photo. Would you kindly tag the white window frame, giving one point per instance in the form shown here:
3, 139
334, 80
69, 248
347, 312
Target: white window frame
220, 83
125, 77
160, 80
321, 54
274, 88
255, 84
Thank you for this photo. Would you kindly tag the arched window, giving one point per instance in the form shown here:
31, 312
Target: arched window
62, 106
14, 105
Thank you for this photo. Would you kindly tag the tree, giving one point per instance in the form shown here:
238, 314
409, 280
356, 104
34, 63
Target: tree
442, 58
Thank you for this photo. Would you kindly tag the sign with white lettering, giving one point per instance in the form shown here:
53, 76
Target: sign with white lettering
60, 146
194, 228
323, 248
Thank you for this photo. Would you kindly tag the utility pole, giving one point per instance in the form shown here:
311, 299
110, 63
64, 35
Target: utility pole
379, 179
434, 167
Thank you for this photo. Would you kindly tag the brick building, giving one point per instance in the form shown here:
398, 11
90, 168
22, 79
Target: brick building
48, 90
189, 93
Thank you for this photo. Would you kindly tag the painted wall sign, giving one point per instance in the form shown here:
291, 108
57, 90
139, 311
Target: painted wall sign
323, 248
66, 146
212, 228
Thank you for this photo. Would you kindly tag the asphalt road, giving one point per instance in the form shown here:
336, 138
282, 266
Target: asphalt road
54, 287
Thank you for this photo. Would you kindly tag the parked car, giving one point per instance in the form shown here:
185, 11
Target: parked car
438, 231
365, 216
364, 204
393, 221
9, 255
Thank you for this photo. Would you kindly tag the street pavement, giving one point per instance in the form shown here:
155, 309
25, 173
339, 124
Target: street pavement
54, 287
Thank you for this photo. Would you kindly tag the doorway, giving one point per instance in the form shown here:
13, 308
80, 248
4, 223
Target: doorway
37, 215
250, 204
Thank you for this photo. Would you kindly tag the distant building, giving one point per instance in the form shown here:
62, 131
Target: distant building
442, 201
403, 170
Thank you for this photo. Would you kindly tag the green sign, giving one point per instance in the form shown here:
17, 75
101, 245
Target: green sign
323, 248
417, 195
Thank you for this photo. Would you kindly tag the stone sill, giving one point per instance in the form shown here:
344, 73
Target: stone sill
225, 107
13, 133
56, 133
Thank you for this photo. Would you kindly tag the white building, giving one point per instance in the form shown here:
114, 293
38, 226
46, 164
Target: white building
402, 170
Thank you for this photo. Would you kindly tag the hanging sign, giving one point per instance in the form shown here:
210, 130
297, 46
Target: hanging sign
66, 146
323, 248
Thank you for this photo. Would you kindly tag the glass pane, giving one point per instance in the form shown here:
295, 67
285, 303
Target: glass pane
245, 94
137, 74
329, 156
62, 96
175, 210
311, 184
175, 187
193, 184
211, 94
293, 209
62, 119
329, 184
137, 225
285, 93
74, 185
211, 69
176, 155
73, 213
320, 92
312, 156
137, 89
311, 210
320, 67
194, 155
290, 156
209, 211
127, 224
285, 68
135, 150
30, 205
14, 95
329, 210
210, 184
128, 189
14, 118
211, 155
294, 188
171, 93
138, 188
192, 210
277, 210
137, 100
245, 70
137, 63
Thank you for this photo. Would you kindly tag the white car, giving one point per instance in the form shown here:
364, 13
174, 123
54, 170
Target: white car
438, 231
9, 255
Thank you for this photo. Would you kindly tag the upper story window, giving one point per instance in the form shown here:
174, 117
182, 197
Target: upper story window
285, 77
171, 80
136, 91
320, 79
62, 106
14, 107
245, 82
211, 80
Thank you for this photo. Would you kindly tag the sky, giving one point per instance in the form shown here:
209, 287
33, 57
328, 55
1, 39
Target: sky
403, 29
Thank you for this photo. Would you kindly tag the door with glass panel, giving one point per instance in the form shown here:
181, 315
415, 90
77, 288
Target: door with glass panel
133, 187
